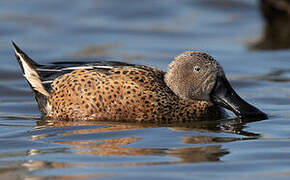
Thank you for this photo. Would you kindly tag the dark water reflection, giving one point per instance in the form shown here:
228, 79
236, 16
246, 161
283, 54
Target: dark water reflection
144, 32
277, 25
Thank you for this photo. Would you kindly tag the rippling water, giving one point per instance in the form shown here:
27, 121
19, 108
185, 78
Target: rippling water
146, 32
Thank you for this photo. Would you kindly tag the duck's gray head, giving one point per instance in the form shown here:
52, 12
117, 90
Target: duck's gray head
196, 75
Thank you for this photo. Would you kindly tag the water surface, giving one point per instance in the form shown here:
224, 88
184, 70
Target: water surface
145, 32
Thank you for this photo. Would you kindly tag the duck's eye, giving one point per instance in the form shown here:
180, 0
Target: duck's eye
196, 68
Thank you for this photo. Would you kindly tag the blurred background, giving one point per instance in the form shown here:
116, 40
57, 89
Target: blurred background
250, 39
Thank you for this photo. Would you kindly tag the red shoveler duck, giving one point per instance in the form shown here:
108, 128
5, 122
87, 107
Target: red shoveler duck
195, 87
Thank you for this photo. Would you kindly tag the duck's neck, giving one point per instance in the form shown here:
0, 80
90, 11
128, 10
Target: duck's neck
176, 84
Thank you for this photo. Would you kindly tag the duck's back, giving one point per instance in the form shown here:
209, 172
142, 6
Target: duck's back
116, 93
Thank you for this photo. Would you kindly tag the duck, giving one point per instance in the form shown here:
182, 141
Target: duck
194, 88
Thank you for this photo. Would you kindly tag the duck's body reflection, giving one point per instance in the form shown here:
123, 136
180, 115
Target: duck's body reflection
124, 144
118, 146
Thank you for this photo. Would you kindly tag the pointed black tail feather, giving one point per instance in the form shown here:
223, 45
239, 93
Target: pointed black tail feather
29, 71
20, 56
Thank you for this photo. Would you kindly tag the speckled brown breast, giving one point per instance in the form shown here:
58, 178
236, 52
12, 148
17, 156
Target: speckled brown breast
124, 93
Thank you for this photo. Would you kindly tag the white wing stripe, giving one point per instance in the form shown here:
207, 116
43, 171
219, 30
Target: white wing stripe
104, 67
77, 67
88, 67
39, 69
45, 82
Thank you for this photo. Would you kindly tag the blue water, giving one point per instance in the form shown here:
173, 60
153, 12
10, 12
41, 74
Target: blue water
152, 33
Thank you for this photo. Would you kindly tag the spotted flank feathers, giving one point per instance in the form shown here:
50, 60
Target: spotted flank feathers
115, 91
